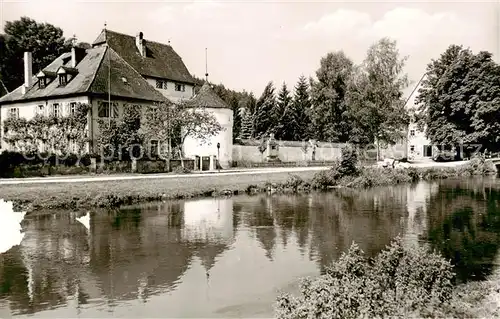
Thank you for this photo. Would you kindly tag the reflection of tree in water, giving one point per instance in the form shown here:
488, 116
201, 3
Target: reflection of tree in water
465, 227
261, 220
325, 224
371, 218
287, 211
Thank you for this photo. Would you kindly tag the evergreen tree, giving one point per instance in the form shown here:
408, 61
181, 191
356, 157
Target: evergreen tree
264, 123
301, 106
246, 124
280, 114
235, 106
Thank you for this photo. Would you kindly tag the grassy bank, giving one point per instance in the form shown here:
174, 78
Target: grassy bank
345, 173
93, 194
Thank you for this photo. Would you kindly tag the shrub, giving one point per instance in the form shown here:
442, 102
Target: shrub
181, 170
401, 281
325, 179
478, 165
348, 162
372, 176
294, 182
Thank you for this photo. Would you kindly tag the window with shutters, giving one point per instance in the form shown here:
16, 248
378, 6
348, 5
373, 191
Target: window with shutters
55, 110
72, 108
159, 84
105, 111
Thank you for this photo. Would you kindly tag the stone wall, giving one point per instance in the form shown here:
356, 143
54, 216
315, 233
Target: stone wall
288, 151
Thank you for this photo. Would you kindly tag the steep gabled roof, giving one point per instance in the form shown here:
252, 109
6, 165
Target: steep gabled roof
92, 76
207, 97
161, 60
125, 81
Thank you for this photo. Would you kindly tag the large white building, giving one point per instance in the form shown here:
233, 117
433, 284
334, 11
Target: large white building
418, 146
118, 70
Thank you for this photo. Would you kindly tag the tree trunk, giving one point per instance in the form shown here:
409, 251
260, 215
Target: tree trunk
169, 152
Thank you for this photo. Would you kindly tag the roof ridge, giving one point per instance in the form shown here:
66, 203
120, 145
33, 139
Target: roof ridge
147, 40
97, 69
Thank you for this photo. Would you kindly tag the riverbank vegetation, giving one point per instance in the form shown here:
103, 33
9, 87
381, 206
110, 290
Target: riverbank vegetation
347, 172
401, 281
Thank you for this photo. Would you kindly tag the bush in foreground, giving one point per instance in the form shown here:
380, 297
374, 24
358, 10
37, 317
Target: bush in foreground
400, 281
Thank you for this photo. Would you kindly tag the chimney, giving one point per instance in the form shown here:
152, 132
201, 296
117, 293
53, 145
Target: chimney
77, 55
28, 71
73, 57
140, 43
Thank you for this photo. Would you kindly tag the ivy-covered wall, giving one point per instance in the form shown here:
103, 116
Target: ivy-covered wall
29, 110
66, 133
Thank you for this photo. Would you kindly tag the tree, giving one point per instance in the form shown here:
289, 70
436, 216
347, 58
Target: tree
377, 94
264, 123
158, 129
246, 124
45, 41
196, 123
459, 100
330, 119
117, 137
129, 129
299, 111
283, 115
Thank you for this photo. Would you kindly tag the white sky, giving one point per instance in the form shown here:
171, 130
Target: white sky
252, 42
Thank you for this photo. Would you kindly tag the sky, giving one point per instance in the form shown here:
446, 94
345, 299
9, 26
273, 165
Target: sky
250, 43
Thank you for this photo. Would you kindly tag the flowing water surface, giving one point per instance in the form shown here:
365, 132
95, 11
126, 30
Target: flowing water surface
229, 257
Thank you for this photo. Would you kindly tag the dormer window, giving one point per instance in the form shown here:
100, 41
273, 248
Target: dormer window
44, 78
63, 73
63, 79
42, 82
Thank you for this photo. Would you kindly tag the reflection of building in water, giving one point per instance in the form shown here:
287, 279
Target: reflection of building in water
209, 226
138, 251
50, 257
416, 202
143, 251
209, 220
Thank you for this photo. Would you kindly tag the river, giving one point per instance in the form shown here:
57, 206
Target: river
229, 257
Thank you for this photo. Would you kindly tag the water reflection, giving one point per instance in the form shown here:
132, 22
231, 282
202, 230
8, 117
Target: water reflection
465, 226
228, 257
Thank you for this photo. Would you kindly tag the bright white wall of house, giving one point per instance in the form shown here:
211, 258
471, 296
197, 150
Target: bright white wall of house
29, 109
417, 140
193, 147
168, 90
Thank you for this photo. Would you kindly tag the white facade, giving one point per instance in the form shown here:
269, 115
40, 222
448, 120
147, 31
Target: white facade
418, 146
174, 91
194, 147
